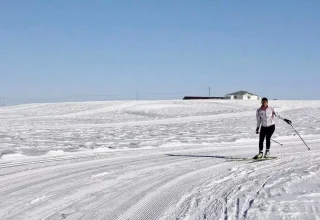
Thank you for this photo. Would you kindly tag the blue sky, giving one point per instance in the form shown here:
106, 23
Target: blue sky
61, 48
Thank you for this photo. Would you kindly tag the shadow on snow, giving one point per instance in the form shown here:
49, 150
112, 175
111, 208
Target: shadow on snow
207, 156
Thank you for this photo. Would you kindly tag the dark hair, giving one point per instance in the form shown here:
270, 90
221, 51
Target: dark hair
264, 99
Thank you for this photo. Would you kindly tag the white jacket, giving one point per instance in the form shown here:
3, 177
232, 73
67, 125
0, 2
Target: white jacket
265, 117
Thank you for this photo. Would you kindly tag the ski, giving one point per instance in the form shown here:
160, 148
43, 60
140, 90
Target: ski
250, 159
263, 159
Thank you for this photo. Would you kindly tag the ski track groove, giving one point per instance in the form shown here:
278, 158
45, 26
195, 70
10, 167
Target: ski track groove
123, 206
138, 211
60, 174
101, 204
156, 191
84, 173
174, 160
116, 199
66, 168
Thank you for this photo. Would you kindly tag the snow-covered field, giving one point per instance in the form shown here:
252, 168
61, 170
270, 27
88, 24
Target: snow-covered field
157, 160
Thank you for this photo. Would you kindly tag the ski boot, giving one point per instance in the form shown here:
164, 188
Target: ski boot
267, 154
258, 156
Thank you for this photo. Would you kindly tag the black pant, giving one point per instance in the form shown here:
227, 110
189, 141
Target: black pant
266, 132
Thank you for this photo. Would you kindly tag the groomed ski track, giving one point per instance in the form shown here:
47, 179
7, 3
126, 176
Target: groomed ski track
179, 167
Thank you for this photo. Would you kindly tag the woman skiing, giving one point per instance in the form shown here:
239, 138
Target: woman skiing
265, 119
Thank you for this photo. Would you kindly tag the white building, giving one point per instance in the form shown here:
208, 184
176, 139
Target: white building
244, 95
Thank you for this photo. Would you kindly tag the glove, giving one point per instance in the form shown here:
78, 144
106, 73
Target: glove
257, 130
288, 121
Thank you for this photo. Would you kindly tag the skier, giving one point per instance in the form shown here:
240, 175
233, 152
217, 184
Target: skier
265, 117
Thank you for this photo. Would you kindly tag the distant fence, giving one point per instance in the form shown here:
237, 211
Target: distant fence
200, 97
195, 94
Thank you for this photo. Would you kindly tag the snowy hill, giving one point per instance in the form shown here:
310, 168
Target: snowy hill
157, 160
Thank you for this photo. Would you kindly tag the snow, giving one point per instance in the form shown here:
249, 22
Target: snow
157, 160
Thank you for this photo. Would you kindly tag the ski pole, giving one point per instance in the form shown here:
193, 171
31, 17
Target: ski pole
274, 141
277, 142
300, 137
